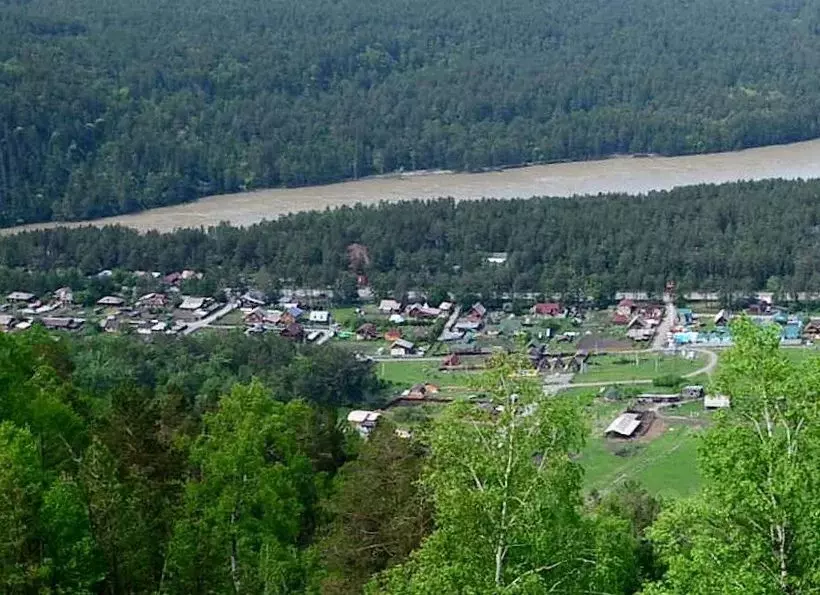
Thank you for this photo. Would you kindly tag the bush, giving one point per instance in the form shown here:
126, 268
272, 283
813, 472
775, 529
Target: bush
669, 380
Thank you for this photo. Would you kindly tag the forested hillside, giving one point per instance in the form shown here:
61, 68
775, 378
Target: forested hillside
118, 106
734, 237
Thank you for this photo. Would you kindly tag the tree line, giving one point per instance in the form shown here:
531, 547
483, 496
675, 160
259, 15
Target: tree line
116, 108
730, 238
123, 475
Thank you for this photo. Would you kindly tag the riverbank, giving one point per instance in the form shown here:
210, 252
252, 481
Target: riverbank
621, 174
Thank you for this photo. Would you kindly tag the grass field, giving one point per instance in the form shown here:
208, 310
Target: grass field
406, 373
666, 465
612, 368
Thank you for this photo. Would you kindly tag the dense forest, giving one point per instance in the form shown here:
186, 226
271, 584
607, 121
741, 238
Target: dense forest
119, 106
217, 465
728, 238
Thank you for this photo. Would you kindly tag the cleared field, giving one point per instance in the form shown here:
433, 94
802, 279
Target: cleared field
666, 464
620, 368
406, 373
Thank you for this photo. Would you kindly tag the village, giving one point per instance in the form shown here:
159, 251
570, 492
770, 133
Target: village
641, 364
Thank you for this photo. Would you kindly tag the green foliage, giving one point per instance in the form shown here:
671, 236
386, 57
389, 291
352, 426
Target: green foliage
379, 512
751, 530
243, 517
668, 381
507, 501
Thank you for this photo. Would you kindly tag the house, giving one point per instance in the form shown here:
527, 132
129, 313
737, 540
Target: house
172, 278
110, 324
722, 318
319, 316
477, 312
389, 306
293, 331
640, 329
255, 316
549, 309
20, 297
625, 425
446, 307
401, 348
812, 329
64, 295
419, 392
368, 332
396, 319
6, 322
192, 303
625, 308
497, 258
111, 300
468, 325
685, 316
294, 312
363, 421
152, 301
452, 335
23, 325
620, 319
422, 311
187, 274
62, 323
510, 326
716, 402
253, 299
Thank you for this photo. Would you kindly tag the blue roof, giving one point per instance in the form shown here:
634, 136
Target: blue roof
791, 332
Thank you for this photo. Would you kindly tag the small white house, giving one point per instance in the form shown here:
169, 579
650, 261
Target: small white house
389, 306
716, 402
363, 421
319, 316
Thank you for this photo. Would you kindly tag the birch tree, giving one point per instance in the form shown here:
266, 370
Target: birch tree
756, 527
507, 500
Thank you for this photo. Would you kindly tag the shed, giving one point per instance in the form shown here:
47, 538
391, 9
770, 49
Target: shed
64, 295
367, 332
716, 402
625, 425
20, 296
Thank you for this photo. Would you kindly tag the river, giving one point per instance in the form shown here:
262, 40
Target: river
619, 174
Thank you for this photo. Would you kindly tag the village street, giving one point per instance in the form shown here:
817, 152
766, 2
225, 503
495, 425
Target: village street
223, 311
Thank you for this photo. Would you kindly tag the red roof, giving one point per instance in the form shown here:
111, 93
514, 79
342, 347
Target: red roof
620, 319
548, 309
625, 303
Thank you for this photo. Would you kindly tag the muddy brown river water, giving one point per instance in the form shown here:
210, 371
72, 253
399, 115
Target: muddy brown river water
620, 174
